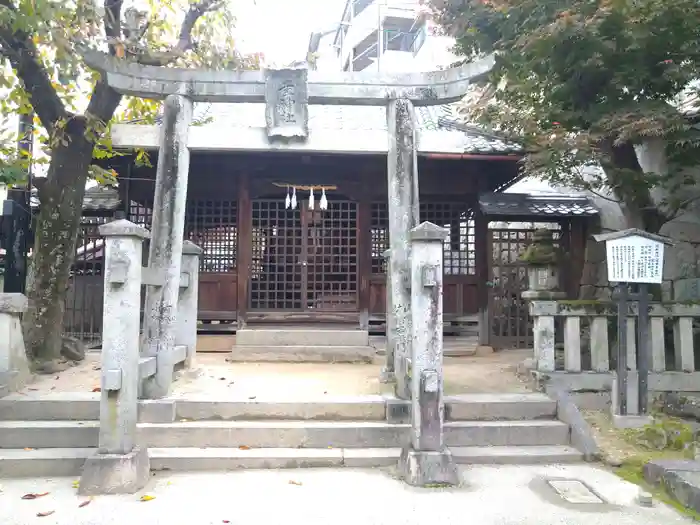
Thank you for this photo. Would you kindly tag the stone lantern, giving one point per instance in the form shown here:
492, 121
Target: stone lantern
542, 258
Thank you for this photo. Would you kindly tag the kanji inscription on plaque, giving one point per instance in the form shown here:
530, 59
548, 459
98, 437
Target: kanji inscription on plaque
287, 103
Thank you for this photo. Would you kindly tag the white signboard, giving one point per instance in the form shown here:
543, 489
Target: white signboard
635, 259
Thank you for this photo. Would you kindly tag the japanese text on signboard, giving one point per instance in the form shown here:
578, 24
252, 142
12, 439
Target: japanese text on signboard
635, 260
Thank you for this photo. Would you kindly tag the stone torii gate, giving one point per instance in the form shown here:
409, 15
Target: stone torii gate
287, 92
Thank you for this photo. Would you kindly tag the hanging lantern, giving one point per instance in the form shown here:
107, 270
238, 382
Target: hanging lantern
288, 200
294, 198
311, 198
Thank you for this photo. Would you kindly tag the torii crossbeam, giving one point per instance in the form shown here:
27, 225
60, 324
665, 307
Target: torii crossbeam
201, 85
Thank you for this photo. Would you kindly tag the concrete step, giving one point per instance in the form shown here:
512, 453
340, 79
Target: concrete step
282, 434
301, 353
85, 407
301, 337
52, 462
507, 406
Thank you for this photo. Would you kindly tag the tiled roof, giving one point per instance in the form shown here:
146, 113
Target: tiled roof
522, 204
96, 198
356, 118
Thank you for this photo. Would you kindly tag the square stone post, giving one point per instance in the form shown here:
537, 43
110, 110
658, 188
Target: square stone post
542, 313
388, 373
14, 366
426, 460
165, 254
187, 302
120, 466
402, 184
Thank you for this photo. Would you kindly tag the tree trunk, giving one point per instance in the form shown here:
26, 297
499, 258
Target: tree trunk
625, 174
61, 198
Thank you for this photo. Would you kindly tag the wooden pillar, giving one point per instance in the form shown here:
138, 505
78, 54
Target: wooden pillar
482, 268
577, 255
364, 261
245, 248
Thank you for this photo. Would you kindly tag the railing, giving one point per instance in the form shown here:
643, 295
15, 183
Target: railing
588, 329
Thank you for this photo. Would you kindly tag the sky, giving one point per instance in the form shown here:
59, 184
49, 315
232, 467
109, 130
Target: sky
281, 28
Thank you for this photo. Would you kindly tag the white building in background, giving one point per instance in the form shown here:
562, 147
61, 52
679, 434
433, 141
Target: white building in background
393, 36
382, 35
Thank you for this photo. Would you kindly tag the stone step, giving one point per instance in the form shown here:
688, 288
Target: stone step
283, 434
276, 337
301, 354
52, 462
85, 406
506, 406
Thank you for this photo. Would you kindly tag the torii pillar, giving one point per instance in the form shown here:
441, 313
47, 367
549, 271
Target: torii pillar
402, 185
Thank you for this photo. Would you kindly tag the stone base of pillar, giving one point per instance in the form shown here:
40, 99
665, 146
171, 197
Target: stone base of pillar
115, 473
633, 419
428, 468
387, 376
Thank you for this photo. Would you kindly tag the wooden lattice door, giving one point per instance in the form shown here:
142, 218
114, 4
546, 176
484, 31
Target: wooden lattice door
304, 260
330, 266
276, 269
510, 318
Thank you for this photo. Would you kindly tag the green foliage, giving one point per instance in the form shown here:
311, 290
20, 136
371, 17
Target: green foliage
580, 82
56, 29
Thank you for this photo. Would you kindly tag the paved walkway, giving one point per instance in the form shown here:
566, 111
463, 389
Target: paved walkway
491, 496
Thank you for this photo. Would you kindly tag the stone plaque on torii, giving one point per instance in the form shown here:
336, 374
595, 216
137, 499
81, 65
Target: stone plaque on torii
286, 92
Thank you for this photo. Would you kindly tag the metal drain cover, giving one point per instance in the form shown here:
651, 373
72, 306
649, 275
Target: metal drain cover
574, 491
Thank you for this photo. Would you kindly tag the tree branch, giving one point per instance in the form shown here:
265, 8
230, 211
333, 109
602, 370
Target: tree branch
104, 101
195, 12
19, 49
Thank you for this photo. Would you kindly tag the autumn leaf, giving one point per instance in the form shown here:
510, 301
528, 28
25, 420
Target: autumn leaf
244, 447
28, 448
84, 504
76, 484
44, 514
147, 497
97, 389
33, 495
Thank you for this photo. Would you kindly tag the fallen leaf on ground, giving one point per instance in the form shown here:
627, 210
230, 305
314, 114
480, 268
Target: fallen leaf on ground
292, 482
28, 448
84, 503
244, 447
225, 521
76, 484
147, 497
97, 389
44, 514
33, 495
252, 397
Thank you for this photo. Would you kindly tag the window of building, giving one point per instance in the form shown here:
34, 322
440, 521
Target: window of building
420, 38
399, 40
